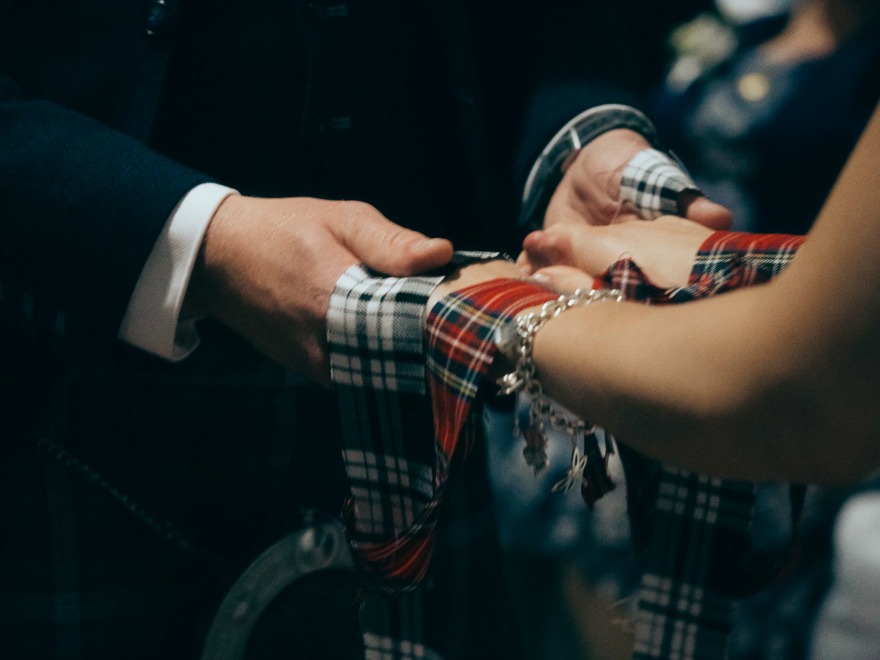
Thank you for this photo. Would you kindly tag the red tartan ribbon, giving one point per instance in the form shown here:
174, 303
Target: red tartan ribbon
461, 346
460, 334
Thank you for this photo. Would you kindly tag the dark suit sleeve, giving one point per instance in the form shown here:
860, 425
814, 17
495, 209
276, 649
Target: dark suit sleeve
80, 208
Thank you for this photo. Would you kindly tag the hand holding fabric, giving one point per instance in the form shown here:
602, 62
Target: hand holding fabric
590, 190
267, 268
572, 254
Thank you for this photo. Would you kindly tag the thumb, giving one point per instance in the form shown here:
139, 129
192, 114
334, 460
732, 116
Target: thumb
565, 278
705, 212
545, 248
390, 248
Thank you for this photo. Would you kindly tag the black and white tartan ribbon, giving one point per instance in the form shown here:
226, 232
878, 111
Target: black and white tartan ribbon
377, 355
577, 133
653, 182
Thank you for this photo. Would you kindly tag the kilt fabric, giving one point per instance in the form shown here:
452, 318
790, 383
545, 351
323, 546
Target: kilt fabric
691, 531
397, 477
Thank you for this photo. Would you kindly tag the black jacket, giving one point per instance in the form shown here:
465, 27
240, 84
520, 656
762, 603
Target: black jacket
138, 489
115, 462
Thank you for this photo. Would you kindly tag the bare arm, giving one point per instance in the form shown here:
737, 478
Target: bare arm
780, 381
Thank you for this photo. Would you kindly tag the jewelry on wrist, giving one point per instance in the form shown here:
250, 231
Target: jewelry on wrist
516, 341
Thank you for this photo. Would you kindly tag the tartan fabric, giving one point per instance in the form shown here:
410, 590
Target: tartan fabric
692, 532
83, 576
729, 260
463, 608
380, 382
396, 468
398, 465
375, 332
652, 182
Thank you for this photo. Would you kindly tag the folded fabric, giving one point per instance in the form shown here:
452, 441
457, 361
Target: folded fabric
691, 531
408, 385
389, 379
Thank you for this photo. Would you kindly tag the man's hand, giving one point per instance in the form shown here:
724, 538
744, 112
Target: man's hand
590, 189
267, 268
569, 255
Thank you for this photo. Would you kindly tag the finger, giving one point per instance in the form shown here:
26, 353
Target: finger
705, 212
565, 278
524, 264
590, 248
544, 248
387, 247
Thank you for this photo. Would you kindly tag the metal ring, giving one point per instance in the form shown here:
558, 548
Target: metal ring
311, 549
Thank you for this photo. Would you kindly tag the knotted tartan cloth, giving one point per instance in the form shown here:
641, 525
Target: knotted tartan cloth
392, 384
407, 384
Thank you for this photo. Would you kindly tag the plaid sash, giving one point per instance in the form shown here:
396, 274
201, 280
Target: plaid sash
691, 531
388, 383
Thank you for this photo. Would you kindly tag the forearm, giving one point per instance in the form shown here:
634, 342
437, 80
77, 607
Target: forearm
727, 386
642, 372
779, 381
685, 384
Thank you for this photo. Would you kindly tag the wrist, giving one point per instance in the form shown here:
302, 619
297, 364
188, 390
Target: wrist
474, 274
516, 338
578, 133
210, 271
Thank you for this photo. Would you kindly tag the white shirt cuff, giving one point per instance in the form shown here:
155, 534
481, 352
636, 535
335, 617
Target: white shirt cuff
153, 320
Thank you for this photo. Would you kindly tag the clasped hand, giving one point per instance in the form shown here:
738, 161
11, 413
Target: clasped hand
267, 268
587, 228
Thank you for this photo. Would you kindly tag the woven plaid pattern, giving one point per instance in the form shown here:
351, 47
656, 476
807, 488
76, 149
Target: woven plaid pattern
396, 465
730, 260
375, 329
691, 531
652, 183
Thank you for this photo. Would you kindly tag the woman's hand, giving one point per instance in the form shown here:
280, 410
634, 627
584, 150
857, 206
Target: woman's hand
570, 255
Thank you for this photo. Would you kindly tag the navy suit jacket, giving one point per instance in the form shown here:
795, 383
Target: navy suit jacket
110, 111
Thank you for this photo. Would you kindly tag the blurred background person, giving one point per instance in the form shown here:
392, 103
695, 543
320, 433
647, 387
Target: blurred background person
763, 109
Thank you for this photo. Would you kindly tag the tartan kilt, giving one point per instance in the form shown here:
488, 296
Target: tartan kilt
145, 489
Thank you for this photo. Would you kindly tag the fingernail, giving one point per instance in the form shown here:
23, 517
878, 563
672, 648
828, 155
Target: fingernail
431, 244
540, 278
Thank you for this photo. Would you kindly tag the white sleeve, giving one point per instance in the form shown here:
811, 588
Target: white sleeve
153, 320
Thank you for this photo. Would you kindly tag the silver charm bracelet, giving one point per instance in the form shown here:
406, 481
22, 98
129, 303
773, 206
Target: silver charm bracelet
516, 341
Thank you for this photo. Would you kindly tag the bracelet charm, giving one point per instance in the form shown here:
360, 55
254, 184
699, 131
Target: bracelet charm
516, 340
